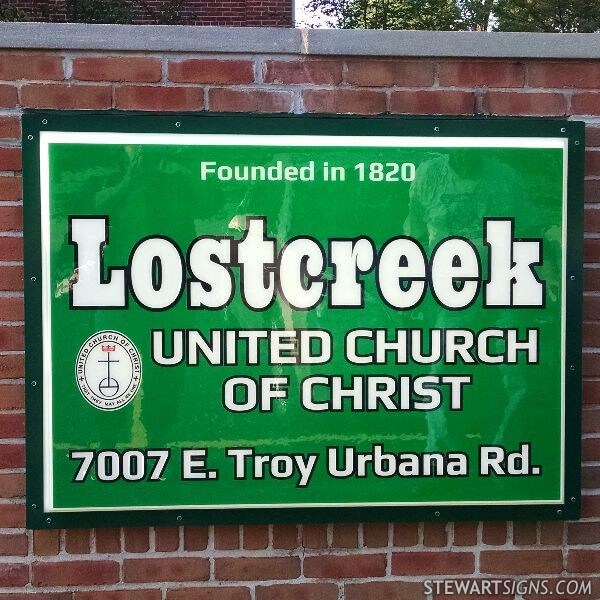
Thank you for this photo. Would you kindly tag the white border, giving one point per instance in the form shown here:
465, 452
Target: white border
176, 139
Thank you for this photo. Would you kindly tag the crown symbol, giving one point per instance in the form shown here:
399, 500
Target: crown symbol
108, 348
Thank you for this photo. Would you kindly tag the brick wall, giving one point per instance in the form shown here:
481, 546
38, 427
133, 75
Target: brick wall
240, 13
380, 561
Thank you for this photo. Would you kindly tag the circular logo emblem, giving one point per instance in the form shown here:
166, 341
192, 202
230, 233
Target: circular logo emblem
108, 370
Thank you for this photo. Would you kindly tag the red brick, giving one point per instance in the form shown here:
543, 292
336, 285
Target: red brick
12, 485
195, 538
564, 74
433, 102
10, 187
590, 506
165, 569
494, 533
12, 515
384, 590
591, 364
465, 533
11, 248
435, 535
592, 190
46, 542
386, 73
551, 533
77, 541
12, 425
327, 72
12, 456
590, 477
591, 421
39, 95
525, 103
521, 562
365, 102
592, 165
159, 98
591, 305
8, 96
166, 539
75, 572
591, 393
590, 449
37, 595
30, 65
432, 563
11, 339
12, 366
482, 73
120, 595
406, 534
11, 218
14, 575
586, 103
524, 533
302, 591
108, 541
227, 537
10, 128
591, 279
345, 535
583, 533
375, 535
211, 71
13, 544
592, 136
285, 537
10, 159
210, 593
348, 566
257, 569
117, 68
583, 561
314, 535
137, 539
256, 537
591, 251
228, 100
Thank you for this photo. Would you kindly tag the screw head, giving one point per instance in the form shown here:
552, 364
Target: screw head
48, 520
34, 506
563, 129
437, 513
29, 137
572, 278
559, 512
436, 128
177, 124
179, 518
33, 383
34, 279
573, 498
44, 121
577, 142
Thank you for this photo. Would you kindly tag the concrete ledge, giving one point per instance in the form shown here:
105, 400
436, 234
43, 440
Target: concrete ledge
258, 40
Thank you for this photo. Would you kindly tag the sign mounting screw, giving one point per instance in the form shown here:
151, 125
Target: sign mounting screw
177, 124
44, 121
563, 129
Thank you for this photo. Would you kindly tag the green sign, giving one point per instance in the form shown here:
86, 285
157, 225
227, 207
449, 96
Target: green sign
301, 318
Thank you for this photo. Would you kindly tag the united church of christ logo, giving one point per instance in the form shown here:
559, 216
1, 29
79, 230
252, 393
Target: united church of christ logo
108, 370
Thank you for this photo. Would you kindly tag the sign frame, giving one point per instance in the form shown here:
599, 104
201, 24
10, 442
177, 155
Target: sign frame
35, 122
